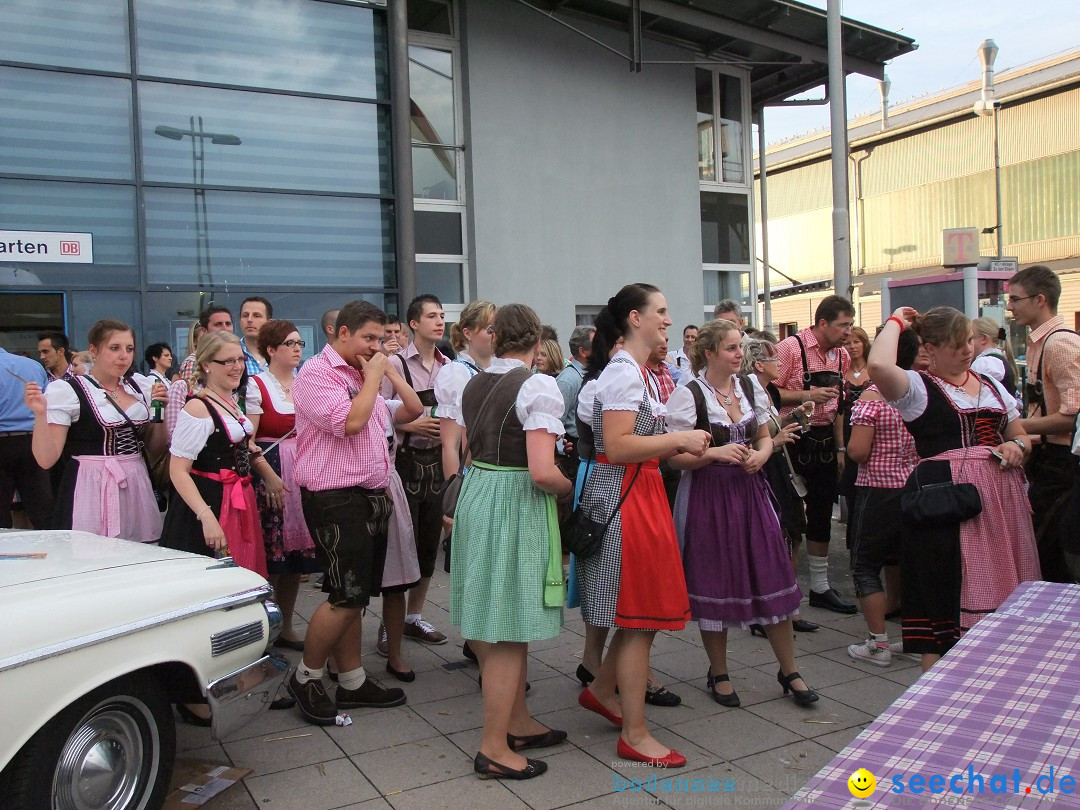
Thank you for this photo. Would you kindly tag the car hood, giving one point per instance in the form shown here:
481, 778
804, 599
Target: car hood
85, 584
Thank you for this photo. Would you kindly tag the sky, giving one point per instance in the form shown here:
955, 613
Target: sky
948, 33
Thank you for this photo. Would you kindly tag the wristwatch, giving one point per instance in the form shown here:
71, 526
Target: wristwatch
1020, 443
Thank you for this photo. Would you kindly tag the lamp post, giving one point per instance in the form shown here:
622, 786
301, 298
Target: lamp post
988, 105
199, 136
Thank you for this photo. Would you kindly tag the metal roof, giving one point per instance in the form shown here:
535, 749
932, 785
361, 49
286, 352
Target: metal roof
1010, 86
781, 42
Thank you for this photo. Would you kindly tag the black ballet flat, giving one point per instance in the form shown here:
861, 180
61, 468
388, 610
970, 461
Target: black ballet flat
803, 626
281, 704
469, 652
549, 738
730, 701
489, 769
757, 630
584, 676
406, 676
803, 697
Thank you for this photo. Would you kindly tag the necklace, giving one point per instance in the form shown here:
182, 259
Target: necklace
857, 372
957, 388
105, 388
232, 410
285, 389
724, 398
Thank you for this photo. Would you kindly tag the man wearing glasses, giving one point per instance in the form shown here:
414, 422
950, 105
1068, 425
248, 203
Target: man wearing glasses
1053, 377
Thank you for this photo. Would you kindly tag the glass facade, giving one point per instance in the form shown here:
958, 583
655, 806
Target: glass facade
214, 150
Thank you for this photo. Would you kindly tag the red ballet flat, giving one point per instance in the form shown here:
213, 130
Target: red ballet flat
673, 759
587, 700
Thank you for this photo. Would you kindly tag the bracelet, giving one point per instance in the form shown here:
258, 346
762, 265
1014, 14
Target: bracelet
199, 514
841, 449
899, 322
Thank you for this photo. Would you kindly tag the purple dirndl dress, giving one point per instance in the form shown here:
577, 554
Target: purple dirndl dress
736, 562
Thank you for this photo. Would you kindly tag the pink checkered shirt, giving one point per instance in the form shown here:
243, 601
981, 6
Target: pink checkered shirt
325, 457
664, 381
791, 370
892, 455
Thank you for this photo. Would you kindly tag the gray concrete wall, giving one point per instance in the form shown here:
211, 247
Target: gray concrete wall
583, 175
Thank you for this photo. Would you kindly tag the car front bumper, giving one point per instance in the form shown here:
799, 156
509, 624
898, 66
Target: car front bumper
241, 696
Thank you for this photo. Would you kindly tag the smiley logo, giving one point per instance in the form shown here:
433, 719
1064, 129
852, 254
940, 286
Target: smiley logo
861, 783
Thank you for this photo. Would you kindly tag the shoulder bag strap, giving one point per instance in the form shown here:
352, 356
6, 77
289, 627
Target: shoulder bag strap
408, 379
805, 366
1039, 372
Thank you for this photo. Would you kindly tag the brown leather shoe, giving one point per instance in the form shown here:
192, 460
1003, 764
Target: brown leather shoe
423, 632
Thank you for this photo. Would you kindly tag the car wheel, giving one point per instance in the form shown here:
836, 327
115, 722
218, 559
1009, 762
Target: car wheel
112, 749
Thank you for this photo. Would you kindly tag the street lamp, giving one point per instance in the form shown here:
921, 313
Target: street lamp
988, 105
199, 136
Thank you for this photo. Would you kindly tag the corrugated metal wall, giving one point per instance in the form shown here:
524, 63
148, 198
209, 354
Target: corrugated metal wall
924, 182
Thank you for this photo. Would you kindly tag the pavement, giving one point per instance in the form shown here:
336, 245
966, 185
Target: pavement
420, 755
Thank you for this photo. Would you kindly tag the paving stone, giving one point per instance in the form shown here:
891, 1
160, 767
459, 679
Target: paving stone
321, 786
571, 777
278, 752
789, 766
382, 728
837, 741
811, 721
870, 695
453, 714
736, 733
464, 792
403, 767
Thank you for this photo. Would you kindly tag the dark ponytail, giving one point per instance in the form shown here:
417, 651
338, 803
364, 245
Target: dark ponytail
612, 323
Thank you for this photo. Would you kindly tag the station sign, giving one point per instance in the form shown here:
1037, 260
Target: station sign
54, 247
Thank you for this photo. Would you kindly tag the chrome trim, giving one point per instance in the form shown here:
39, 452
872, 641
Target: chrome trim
229, 602
275, 620
242, 696
234, 638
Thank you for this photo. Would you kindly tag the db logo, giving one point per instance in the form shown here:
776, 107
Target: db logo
70, 248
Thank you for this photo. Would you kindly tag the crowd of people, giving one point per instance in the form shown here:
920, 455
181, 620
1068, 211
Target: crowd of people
702, 470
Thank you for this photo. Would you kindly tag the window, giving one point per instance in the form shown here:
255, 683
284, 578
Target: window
66, 125
441, 279
258, 140
66, 33
725, 229
294, 45
434, 123
430, 16
720, 97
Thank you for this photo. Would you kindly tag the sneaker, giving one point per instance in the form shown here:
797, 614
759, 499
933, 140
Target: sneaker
871, 653
369, 695
423, 632
382, 646
312, 700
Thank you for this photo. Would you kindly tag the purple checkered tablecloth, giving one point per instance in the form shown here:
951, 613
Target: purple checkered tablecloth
1044, 600
1003, 702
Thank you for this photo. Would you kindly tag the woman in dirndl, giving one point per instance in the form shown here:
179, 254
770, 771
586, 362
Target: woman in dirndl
967, 429
212, 509
635, 582
733, 550
290, 551
105, 486
506, 578
472, 338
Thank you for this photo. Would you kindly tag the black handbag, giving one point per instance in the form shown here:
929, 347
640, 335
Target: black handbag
943, 503
450, 492
581, 535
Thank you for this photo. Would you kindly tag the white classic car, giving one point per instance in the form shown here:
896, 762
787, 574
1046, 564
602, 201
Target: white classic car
100, 638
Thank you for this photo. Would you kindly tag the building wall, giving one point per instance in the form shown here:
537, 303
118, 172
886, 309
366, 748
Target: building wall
924, 181
583, 175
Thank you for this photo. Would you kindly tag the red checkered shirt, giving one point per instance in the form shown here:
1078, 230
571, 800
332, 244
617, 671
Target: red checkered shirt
325, 457
664, 381
791, 370
892, 455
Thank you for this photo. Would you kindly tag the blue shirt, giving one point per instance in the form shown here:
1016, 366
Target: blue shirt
14, 415
254, 367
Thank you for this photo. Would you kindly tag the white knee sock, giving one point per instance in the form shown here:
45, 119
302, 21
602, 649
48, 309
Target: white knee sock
353, 679
304, 674
819, 573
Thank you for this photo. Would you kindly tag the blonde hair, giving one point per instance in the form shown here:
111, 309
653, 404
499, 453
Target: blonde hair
988, 327
709, 338
859, 334
196, 331
209, 345
554, 356
475, 316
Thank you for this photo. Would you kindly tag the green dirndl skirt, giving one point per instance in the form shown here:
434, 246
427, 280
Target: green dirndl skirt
506, 579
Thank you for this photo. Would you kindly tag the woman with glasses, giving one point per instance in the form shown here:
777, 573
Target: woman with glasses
290, 551
212, 509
